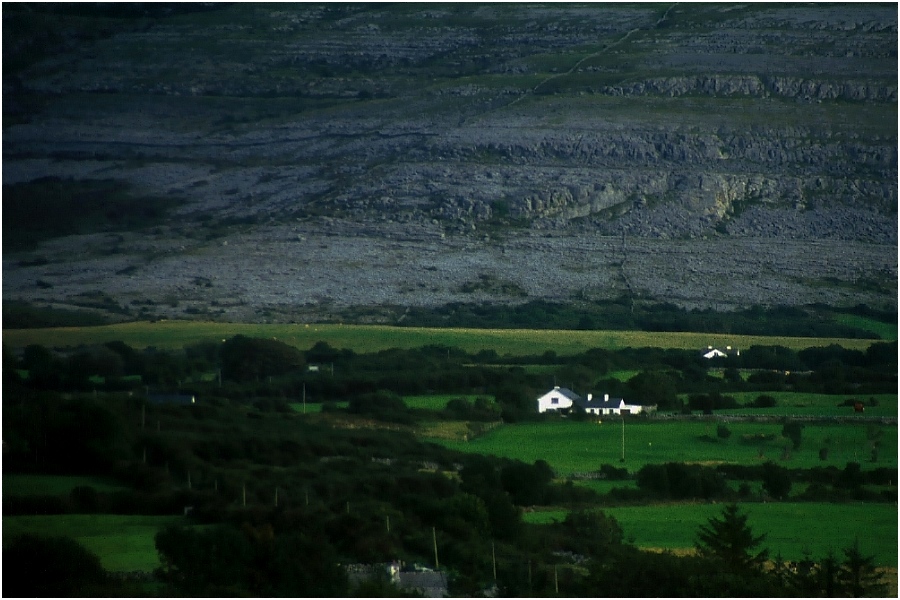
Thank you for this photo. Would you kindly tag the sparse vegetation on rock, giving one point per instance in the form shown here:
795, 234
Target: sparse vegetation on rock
308, 160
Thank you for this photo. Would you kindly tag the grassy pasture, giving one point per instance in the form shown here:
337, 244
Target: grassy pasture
444, 430
53, 485
372, 338
571, 447
123, 542
622, 375
787, 526
886, 331
439, 401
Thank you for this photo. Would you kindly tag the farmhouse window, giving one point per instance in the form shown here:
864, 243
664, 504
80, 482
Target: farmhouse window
554, 400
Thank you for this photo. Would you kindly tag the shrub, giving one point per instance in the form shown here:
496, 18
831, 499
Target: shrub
776, 480
764, 401
681, 481
382, 404
614, 473
793, 431
35, 566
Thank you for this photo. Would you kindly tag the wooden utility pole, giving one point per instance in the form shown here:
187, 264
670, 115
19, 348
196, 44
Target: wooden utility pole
387, 522
437, 565
494, 560
276, 496
245, 494
556, 579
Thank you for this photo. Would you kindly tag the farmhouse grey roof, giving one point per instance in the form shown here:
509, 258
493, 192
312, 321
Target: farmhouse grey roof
569, 394
599, 403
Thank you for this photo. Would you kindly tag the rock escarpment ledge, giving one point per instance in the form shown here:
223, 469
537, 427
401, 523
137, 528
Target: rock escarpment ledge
320, 157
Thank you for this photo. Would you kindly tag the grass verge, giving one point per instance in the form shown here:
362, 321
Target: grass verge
123, 542
787, 526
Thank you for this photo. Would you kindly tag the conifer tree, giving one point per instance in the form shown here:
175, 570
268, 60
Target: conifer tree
858, 575
729, 540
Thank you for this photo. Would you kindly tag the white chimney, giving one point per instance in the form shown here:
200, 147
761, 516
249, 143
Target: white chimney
606, 397
590, 396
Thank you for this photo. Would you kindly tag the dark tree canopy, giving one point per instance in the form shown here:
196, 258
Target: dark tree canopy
50, 567
729, 540
249, 359
858, 575
776, 480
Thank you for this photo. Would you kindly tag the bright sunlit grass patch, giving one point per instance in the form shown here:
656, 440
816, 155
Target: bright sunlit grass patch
787, 526
122, 542
373, 338
576, 447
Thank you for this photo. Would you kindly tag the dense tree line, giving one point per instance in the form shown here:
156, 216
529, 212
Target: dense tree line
624, 314
247, 368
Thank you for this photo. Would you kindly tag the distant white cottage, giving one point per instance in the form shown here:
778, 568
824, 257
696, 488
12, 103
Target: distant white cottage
716, 353
562, 399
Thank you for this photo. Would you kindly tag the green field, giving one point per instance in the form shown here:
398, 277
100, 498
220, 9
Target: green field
372, 338
54, 485
123, 542
623, 375
794, 529
886, 331
439, 401
571, 447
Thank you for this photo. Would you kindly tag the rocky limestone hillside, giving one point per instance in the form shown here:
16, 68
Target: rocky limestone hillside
316, 158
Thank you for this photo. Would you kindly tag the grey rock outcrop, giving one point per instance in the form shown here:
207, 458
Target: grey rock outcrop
382, 135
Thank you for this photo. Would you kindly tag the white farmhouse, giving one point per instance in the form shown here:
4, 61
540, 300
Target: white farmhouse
563, 399
556, 399
714, 353
612, 406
